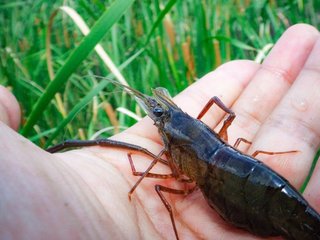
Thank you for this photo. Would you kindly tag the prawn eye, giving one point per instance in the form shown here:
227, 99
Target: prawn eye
158, 111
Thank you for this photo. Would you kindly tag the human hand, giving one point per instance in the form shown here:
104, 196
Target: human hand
83, 193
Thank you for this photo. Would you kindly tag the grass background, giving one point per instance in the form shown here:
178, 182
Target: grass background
153, 43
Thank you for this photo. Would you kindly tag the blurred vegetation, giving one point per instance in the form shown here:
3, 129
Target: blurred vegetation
154, 43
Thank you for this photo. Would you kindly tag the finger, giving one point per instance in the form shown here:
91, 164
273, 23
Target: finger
226, 82
312, 191
294, 124
9, 109
271, 82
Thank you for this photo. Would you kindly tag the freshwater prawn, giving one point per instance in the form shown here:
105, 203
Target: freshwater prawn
244, 191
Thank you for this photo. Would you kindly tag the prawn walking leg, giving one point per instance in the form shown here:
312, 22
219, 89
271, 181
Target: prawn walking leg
272, 153
227, 122
147, 172
239, 140
159, 189
150, 175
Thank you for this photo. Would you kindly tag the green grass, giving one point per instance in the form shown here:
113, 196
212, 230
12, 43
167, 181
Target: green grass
165, 43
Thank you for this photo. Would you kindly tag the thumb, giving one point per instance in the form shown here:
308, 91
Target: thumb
9, 109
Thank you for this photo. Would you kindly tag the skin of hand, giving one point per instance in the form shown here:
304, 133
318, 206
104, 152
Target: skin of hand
83, 194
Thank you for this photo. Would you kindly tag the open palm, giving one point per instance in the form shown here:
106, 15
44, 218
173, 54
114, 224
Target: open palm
83, 193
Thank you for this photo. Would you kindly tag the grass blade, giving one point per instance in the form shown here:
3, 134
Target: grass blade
162, 14
101, 27
313, 166
76, 109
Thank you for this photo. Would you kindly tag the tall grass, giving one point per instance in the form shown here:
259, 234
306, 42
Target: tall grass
154, 43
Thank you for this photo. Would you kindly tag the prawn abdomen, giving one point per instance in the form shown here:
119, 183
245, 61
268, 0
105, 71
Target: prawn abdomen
250, 195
